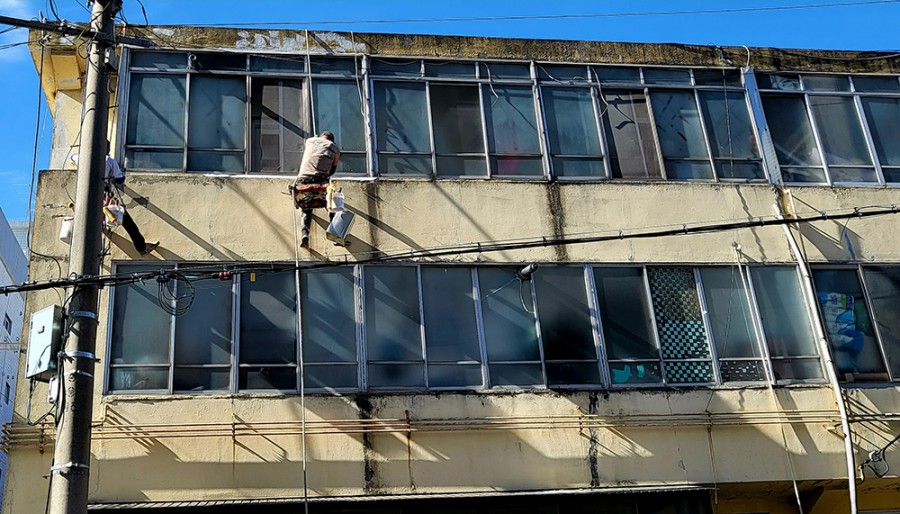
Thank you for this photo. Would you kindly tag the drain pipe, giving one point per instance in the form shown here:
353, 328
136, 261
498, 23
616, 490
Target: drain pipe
806, 286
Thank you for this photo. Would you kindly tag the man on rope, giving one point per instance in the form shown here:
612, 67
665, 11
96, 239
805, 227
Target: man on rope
320, 160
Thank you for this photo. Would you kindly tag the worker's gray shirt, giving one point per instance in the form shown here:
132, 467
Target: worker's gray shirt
318, 157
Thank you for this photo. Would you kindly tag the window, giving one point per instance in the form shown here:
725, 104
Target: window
7, 324
458, 136
680, 135
513, 140
7, 393
573, 132
461, 327
402, 133
277, 112
833, 128
628, 130
858, 308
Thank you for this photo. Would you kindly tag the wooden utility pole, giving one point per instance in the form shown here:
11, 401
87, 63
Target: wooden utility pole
72, 453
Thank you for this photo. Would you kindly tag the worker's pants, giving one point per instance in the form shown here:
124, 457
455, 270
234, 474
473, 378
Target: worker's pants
306, 222
134, 233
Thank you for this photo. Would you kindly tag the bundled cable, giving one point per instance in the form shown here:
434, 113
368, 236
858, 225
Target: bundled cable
175, 293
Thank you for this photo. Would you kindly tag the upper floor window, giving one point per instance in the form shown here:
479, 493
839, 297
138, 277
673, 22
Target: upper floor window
834, 129
433, 327
7, 324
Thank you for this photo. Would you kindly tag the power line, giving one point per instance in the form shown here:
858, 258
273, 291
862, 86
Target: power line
224, 271
735, 10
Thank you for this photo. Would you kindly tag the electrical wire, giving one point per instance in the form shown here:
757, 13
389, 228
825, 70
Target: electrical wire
735, 10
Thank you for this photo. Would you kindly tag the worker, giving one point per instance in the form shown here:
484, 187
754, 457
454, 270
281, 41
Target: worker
113, 179
320, 160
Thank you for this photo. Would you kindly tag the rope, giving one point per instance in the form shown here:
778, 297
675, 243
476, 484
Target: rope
302, 372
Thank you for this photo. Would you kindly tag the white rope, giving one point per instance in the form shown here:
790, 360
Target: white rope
300, 336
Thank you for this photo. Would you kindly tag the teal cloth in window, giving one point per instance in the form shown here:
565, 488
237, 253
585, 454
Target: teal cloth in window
840, 323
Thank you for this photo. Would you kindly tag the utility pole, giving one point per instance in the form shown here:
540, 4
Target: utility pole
72, 453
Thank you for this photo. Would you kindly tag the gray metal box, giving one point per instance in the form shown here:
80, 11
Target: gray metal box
45, 336
339, 227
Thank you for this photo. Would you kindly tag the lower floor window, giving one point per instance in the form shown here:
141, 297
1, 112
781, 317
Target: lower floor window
432, 327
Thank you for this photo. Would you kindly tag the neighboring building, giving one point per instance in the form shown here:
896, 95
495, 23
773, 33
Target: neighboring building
20, 230
682, 374
13, 270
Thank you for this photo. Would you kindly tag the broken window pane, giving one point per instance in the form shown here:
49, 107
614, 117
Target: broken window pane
572, 131
785, 322
848, 326
680, 135
456, 114
566, 331
632, 148
509, 327
327, 313
884, 292
393, 327
141, 329
679, 323
268, 320
156, 111
512, 130
336, 104
732, 325
278, 118
731, 135
842, 137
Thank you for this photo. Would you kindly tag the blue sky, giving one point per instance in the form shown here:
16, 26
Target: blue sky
861, 27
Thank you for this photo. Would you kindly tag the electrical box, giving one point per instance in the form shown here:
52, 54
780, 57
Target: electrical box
44, 343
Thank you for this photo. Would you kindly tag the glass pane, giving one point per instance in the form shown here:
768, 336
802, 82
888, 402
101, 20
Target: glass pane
842, 137
217, 109
618, 75
268, 322
876, 84
635, 372
632, 149
278, 120
336, 104
396, 375
728, 309
160, 61
461, 166
810, 175
203, 334
284, 379
848, 325
891, 174
625, 314
728, 124
201, 379
780, 82
791, 130
853, 174
456, 112
517, 166
573, 373
408, 68
564, 314
499, 71
883, 115
401, 117
825, 83
563, 72
451, 332
662, 76
218, 61
450, 69
688, 170
135, 379
796, 369
215, 161
728, 169
741, 370
884, 293
352, 164
509, 112
678, 125
454, 375
404, 164
571, 121
516, 375
679, 323
507, 310
156, 111
327, 309
335, 66
140, 327
154, 159
784, 316
718, 78
279, 63
327, 377
578, 167
392, 314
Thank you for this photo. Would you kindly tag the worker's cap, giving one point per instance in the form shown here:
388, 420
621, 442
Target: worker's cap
328, 135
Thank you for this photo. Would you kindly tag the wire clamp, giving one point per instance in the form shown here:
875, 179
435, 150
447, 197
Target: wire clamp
80, 355
621, 234
61, 468
83, 314
79, 372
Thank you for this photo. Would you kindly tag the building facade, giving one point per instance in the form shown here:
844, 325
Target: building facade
704, 326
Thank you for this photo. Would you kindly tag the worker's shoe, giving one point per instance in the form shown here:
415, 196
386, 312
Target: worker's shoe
304, 242
150, 247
